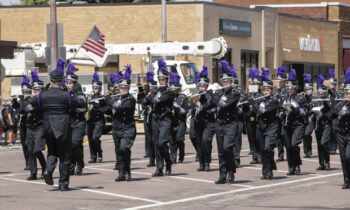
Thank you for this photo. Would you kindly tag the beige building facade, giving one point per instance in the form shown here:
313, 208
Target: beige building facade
259, 37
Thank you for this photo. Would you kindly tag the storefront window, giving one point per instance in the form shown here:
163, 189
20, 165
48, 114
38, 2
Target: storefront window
249, 59
189, 71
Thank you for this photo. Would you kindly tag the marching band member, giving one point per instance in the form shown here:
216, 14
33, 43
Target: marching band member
178, 130
292, 113
124, 130
342, 112
96, 121
267, 125
226, 125
78, 121
309, 119
204, 124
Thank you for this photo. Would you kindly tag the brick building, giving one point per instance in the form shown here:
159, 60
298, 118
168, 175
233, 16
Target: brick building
258, 37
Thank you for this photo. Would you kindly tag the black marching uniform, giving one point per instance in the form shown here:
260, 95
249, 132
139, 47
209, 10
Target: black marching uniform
204, 127
293, 129
23, 130
78, 124
95, 127
334, 94
226, 130
342, 112
266, 132
162, 102
123, 131
281, 94
309, 127
178, 128
323, 130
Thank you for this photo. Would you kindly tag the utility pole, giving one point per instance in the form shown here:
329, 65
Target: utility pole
53, 27
164, 25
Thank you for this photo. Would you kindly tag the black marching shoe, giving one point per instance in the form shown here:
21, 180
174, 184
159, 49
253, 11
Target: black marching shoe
320, 168
307, 155
32, 177
280, 159
230, 178
99, 159
158, 172
264, 176
291, 172
128, 176
221, 180
120, 178
207, 167
327, 166
269, 176
92, 161
63, 187
48, 178
151, 164
201, 167
181, 160
254, 161
168, 170
79, 171
297, 170
346, 186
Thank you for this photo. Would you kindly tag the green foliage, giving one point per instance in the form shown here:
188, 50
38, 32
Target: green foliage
34, 2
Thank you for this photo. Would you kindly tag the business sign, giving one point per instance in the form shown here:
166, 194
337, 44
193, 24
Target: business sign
309, 44
235, 28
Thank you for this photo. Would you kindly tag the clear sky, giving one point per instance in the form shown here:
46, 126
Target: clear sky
9, 2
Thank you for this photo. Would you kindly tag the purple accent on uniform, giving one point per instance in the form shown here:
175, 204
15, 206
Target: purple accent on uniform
113, 77
174, 79
265, 74
281, 70
35, 77
95, 78
39, 99
161, 65
127, 73
150, 76
307, 78
64, 81
233, 71
71, 68
69, 100
292, 75
320, 80
26, 80
331, 74
225, 68
347, 76
60, 64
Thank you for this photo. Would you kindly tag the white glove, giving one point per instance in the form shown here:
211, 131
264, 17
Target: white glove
294, 104
262, 108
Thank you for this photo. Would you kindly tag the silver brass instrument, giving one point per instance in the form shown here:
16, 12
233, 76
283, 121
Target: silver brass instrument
101, 98
287, 107
328, 99
197, 95
254, 99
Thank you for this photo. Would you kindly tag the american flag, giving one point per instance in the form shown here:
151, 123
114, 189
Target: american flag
95, 42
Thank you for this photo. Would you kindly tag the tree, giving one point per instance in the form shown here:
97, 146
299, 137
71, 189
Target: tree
35, 2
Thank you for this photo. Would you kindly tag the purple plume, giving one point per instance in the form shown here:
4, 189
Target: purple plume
150, 76
197, 76
71, 68
225, 68
204, 72
320, 80
292, 75
35, 77
119, 76
60, 64
251, 73
127, 73
95, 78
26, 80
265, 74
256, 72
161, 65
281, 70
331, 73
233, 70
307, 78
113, 77
174, 78
347, 76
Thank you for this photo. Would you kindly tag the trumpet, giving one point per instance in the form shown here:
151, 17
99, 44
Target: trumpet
328, 99
196, 95
254, 99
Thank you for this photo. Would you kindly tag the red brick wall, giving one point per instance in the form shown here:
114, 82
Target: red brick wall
313, 12
247, 3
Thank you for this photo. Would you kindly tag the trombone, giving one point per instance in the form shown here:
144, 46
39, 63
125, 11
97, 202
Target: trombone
328, 99
254, 99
